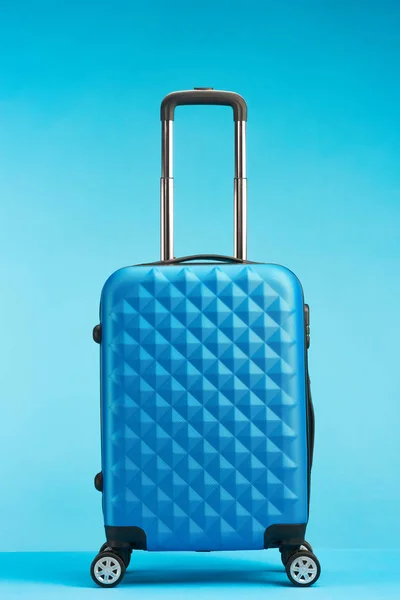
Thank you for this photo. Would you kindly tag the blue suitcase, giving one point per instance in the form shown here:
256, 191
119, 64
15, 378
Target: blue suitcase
206, 413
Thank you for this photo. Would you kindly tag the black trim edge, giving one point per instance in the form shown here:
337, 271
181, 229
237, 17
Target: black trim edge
311, 419
309, 403
200, 257
133, 537
284, 535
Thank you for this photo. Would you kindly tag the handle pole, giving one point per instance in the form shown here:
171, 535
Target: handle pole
240, 192
167, 178
167, 192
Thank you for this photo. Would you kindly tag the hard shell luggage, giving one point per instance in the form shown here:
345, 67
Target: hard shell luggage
207, 424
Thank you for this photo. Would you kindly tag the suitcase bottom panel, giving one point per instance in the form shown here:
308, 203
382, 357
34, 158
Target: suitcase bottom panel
275, 536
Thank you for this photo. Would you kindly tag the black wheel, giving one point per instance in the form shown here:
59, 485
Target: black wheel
306, 546
124, 553
303, 568
107, 569
286, 553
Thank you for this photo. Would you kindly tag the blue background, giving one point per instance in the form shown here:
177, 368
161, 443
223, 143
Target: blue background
80, 87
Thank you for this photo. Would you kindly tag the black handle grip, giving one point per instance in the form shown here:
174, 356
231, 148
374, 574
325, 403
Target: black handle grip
204, 96
211, 257
200, 257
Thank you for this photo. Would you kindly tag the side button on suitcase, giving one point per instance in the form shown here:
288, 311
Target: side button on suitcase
207, 424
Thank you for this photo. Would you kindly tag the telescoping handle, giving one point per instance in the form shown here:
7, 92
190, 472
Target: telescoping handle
211, 97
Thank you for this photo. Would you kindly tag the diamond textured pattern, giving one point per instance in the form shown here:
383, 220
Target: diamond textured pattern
203, 404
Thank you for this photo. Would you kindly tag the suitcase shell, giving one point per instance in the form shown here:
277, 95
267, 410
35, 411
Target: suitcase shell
205, 441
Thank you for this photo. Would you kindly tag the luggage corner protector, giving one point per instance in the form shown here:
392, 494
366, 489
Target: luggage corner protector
119, 536
284, 535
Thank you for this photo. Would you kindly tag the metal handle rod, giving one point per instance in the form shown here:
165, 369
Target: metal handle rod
240, 192
167, 192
